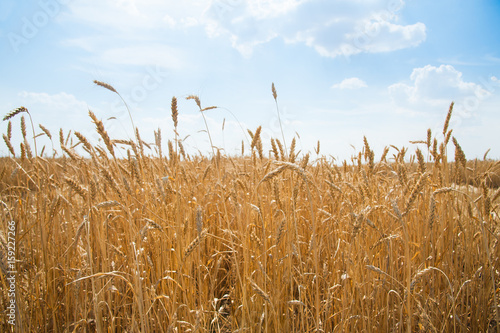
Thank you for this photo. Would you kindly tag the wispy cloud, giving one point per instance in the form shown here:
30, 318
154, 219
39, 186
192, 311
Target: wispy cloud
130, 32
145, 55
57, 102
134, 16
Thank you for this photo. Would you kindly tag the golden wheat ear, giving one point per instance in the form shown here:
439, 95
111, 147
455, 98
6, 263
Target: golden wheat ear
15, 112
112, 89
106, 85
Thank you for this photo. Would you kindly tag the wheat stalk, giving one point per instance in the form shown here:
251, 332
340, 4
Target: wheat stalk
76, 187
9, 145
315, 278
459, 153
102, 132
175, 112
415, 191
259, 291
112, 89
448, 117
275, 96
292, 151
190, 248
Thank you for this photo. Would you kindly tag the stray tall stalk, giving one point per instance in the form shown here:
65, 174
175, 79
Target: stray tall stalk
275, 96
111, 88
197, 100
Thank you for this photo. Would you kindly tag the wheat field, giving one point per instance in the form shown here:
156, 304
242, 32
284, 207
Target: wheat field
129, 238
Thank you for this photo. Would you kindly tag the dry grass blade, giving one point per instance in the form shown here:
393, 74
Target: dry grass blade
115, 274
208, 108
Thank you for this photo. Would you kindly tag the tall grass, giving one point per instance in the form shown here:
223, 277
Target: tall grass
262, 242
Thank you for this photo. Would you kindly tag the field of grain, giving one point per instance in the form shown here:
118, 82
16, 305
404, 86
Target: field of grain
278, 241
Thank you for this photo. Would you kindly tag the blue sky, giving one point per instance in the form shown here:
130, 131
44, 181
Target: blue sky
384, 69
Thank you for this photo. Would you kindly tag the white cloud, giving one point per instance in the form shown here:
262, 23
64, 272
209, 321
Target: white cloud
350, 83
435, 85
432, 89
332, 27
